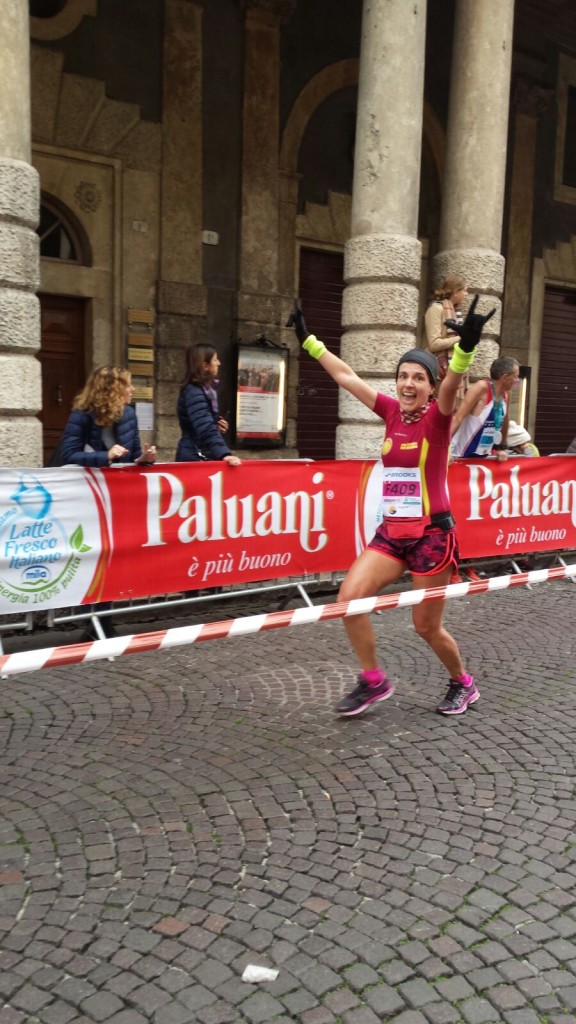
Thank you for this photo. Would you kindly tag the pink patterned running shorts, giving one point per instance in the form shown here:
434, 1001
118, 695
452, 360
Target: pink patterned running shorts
424, 556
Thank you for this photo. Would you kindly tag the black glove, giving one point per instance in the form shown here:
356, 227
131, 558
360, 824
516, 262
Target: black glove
471, 329
297, 321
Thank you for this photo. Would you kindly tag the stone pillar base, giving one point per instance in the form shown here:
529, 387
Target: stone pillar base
483, 270
380, 317
380, 303
383, 257
19, 321
359, 442
20, 377
21, 441
372, 353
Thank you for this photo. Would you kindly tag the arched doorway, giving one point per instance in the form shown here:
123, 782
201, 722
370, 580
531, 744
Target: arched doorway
63, 323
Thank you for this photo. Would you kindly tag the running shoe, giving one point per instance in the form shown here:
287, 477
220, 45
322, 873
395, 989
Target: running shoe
458, 698
455, 577
364, 696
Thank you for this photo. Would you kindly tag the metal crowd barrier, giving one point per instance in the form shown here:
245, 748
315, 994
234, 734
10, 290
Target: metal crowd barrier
87, 614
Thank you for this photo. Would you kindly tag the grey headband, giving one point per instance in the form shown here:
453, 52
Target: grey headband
424, 359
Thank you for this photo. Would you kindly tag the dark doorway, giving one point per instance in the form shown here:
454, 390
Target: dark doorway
556, 409
62, 359
321, 287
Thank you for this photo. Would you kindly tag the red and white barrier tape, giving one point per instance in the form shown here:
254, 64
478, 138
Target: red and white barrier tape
77, 654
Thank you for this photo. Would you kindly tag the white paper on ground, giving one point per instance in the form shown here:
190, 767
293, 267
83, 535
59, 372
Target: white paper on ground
254, 973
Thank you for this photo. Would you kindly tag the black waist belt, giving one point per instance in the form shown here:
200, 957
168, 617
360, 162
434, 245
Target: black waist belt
445, 520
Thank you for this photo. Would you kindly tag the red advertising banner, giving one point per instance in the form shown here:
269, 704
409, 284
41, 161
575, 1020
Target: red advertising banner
71, 536
514, 507
198, 525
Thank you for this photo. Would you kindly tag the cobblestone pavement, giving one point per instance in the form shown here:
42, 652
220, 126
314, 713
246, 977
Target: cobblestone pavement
170, 818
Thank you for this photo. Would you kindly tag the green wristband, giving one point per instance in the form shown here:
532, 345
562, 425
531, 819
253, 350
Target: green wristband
461, 360
314, 347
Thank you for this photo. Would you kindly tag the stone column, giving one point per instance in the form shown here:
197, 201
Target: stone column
529, 101
382, 258
20, 377
258, 299
181, 294
474, 182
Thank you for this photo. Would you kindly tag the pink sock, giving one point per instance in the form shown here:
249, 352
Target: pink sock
465, 679
374, 676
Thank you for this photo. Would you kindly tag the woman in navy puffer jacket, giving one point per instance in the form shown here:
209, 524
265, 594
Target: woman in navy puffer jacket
200, 421
102, 427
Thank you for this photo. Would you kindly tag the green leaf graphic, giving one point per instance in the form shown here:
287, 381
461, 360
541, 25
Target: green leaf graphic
77, 540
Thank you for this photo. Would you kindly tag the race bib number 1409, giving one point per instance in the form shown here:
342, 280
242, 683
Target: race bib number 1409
402, 492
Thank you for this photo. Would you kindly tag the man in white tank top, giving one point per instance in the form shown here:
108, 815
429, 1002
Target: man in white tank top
480, 424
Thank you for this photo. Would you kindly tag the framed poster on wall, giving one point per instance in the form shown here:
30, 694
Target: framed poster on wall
261, 379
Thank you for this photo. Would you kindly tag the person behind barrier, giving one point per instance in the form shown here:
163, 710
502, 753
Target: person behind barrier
417, 532
200, 421
445, 305
519, 442
102, 428
480, 425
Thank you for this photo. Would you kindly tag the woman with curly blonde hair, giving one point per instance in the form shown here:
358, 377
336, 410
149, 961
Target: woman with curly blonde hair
102, 427
444, 305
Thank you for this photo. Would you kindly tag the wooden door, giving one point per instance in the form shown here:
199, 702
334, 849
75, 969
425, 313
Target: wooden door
62, 358
321, 287
556, 409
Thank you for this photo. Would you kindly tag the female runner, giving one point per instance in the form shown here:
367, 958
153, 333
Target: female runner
417, 532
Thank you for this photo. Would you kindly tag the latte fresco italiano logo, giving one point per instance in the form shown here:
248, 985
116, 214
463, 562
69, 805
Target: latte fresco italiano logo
38, 560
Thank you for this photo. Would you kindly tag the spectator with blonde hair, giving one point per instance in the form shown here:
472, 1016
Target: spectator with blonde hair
440, 339
102, 428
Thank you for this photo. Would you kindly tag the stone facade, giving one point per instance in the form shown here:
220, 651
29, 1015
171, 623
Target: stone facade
20, 384
473, 201
212, 137
383, 256
181, 296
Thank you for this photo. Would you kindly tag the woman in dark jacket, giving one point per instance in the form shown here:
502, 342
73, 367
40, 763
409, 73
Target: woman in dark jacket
102, 427
198, 414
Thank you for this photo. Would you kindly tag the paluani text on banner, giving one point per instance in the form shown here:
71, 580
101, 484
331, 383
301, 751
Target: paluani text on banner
70, 536
513, 507
198, 525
